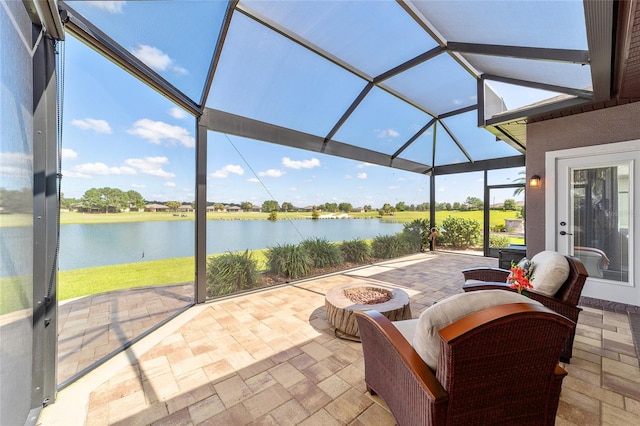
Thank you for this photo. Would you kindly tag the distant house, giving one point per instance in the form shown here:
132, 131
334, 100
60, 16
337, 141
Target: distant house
233, 209
77, 207
211, 209
185, 208
155, 208
256, 208
308, 209
358, 209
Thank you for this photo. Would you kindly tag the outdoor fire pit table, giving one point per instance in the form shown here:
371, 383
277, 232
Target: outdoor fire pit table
342, 301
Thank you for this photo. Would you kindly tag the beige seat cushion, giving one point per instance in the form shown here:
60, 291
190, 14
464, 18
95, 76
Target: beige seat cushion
550, 271
407, 328
426, 340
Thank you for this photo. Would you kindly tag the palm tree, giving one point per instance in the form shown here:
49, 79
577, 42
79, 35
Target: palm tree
521, 179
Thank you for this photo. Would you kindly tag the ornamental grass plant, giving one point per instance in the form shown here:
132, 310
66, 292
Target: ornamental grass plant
357, 251
289, 260
231, 272
323, 253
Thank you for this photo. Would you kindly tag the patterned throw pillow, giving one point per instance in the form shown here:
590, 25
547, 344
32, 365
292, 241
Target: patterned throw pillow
524, 264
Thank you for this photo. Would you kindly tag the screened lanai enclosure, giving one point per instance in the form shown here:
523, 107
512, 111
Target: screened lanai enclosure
202, 103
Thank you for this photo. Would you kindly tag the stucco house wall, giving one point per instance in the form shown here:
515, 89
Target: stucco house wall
602, 126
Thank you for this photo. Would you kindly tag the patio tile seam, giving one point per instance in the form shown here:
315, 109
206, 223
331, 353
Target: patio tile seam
632, 312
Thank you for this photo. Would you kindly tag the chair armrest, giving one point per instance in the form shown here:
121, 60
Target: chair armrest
486, 274
464, 325
395, 371
403, 348
560, 306
486, 286
563, 308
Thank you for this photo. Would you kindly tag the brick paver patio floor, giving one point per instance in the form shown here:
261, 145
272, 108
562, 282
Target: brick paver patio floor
92, 327
270, 357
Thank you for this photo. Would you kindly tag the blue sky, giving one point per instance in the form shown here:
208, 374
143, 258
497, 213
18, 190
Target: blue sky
120, 133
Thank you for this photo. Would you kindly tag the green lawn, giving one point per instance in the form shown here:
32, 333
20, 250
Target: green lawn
497, 216
99, 279
85, 281
13, 296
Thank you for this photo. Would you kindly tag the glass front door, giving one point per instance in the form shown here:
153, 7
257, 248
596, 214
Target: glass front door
590, 216
600, 207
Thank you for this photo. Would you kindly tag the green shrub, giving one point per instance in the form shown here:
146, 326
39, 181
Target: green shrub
273, 216
416, 233
357, 251
323, 253
499, 228
461, 232
498, 241
390, 246
231, 272
289, 260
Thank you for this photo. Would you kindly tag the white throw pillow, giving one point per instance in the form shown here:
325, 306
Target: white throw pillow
407, 328
550, 271
426, 340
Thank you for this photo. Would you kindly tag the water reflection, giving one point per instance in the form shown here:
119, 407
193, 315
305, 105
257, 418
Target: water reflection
85, 245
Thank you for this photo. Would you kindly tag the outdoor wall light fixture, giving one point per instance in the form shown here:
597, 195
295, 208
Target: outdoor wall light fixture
534, 181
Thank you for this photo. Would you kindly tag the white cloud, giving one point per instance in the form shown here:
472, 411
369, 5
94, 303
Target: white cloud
157, 59
103, 170
361, 175
224, 172
393, 187
72, 174
150, 166
108, 6
271, 173
363, 165
300, 164
387, 133
152, 56
293, 189
69, 154
16, 165
348, 176
14, 158
136, 185
180, 70
178, 113
100, 126
170, 184
158, 131
253, 180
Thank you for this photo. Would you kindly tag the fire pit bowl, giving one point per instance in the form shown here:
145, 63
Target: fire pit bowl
342, 301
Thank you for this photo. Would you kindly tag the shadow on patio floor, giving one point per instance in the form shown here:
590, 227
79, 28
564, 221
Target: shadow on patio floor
270, 357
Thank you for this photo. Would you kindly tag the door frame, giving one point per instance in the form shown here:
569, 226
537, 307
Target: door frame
593, 287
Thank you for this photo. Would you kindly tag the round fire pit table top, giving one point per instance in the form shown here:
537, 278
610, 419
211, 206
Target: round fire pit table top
340, 308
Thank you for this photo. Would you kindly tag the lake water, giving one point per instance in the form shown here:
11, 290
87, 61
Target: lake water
83, 246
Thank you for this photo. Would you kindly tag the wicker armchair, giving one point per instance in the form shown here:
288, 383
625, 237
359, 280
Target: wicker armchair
496, 366
565, 301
